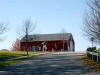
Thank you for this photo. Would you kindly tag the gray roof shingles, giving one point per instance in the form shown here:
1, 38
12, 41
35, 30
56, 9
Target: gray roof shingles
48, 37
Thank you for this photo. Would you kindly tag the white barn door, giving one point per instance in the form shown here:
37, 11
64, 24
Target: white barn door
71, 46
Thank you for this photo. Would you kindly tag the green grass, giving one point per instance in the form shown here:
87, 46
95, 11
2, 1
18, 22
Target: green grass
13, 54
97, 51
6, 63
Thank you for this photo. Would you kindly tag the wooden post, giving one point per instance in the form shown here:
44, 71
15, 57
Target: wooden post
92, 55
97, 57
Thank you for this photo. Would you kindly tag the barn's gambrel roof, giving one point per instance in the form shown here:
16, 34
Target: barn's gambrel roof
48, 37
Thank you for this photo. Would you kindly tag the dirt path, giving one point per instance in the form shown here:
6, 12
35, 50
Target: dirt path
51, 64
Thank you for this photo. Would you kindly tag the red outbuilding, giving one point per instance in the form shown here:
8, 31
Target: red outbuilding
49, 42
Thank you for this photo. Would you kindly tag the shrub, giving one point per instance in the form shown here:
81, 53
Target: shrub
91, 49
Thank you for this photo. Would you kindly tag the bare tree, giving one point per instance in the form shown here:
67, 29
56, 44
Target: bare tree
92, 20
16, 45
3, 28
27, 29
63, 37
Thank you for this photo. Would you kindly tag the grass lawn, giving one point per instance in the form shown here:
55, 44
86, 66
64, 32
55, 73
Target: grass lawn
13, 54
6, 63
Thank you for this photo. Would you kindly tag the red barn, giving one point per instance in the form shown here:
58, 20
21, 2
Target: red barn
49, 42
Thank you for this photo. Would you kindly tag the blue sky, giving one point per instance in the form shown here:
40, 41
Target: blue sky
51, 17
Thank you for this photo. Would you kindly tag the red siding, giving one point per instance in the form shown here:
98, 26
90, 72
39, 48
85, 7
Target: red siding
56, 45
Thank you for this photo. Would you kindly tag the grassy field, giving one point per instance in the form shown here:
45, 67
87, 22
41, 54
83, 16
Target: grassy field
6, 63
13, 54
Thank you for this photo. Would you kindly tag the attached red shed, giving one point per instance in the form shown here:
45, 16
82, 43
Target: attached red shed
49, 42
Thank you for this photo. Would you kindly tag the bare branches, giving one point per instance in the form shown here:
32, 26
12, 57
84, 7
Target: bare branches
92, 20
28, 28
63, 37
3, 28
16, 45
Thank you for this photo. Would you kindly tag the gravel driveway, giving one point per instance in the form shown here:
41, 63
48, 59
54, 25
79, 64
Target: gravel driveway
51, 64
